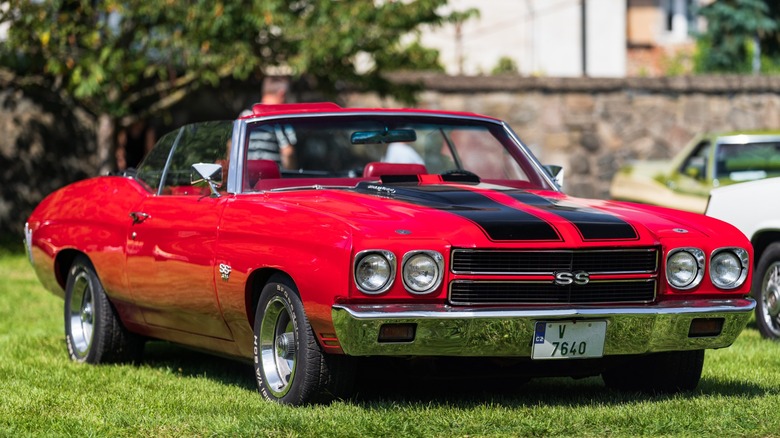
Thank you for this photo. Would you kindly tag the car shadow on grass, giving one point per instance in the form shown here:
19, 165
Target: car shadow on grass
468, 384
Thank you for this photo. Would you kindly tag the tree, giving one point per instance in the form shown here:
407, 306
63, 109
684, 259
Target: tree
119, 59
734, 29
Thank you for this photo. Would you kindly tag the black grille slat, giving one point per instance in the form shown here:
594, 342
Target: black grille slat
488, 292
530, 262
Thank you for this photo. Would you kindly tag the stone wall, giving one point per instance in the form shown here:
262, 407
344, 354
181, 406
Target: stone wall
44, 144
593, 126
590, 126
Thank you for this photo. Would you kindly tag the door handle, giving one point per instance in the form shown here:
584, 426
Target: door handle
139, 216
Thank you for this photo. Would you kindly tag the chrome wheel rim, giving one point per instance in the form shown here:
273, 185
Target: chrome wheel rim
770, 298
82, 315
278, 346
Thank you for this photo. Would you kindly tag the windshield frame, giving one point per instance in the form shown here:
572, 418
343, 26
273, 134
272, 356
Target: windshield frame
512, 144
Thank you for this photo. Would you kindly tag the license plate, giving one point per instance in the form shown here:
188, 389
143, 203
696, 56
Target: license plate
569, 339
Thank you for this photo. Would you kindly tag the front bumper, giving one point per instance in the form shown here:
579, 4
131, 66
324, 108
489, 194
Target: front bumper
443, 330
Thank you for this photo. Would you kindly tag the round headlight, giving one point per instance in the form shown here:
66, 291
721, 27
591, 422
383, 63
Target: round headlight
374, 271
684, 268
727, 268
422, 271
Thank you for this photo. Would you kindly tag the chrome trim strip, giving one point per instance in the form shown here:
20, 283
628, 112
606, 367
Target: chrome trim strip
445, 312
531, 158
28, 242
234, 180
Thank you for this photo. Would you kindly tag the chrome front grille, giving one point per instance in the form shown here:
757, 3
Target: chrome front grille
527, 277
608, 261
520, 292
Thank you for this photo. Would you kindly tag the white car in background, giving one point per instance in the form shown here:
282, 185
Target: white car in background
754, 208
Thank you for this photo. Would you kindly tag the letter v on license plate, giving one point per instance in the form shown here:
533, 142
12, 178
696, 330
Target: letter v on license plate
569, 339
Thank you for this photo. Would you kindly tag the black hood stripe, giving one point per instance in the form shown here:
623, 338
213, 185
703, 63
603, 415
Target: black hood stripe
591, 223
498, 221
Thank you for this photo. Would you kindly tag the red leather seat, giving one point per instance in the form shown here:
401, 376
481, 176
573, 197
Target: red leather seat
260, 169
377, 169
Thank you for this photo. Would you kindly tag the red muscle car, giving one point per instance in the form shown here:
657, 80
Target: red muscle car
406, 233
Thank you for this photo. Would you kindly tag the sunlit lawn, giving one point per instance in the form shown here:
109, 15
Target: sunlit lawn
176, 392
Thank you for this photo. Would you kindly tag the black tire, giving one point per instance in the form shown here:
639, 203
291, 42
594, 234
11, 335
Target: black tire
661, 373
766, 291
93, 332
290, 366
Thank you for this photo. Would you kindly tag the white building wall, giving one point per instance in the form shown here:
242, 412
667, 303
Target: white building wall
606, 35
543, 37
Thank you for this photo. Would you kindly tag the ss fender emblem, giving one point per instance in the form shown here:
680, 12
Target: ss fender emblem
224, 271
565, 278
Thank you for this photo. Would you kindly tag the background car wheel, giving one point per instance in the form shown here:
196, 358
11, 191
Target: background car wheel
666, 372
93, 332
290, 367
766, 290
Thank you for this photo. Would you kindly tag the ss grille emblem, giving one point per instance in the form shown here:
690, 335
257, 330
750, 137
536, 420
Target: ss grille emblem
565, 278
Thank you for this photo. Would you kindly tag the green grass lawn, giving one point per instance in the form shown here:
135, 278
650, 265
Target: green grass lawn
177, 392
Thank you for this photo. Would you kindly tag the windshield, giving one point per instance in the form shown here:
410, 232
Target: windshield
350, 146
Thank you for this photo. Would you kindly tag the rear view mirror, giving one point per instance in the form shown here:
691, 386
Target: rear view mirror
386, 136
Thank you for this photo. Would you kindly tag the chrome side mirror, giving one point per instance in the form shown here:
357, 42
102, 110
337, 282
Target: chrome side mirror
209, 174
556, 173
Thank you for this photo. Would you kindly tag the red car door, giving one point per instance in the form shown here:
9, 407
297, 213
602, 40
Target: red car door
171, 241
170, 263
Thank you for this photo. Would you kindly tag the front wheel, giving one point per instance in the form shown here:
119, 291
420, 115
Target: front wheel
93, 332
667, 372
290, 367
766, 291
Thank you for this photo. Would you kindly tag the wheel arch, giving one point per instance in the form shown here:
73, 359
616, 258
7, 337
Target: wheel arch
254, 286
62, 263
761, 241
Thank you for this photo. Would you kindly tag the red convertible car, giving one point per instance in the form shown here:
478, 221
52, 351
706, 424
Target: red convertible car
387, 233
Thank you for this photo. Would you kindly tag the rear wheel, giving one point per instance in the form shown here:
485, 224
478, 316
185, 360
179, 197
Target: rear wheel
290, 366
93, 332
667, 372
766, 290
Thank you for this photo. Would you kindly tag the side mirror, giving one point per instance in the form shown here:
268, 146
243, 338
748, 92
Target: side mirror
556, 173
693, 172
210, 175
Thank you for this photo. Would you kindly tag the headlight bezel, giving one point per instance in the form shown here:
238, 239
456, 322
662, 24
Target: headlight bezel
391, 260
438, 260
698, 257
742, 257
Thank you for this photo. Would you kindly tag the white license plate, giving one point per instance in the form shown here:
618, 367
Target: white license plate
569, 339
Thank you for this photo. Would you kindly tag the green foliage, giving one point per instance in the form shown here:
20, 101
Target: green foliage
505, 65
177, 392
135, 56
732, 25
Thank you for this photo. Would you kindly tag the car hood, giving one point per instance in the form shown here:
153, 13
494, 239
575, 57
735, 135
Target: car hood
470, 214
649, 169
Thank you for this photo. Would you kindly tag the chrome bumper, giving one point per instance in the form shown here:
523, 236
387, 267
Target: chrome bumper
443, 330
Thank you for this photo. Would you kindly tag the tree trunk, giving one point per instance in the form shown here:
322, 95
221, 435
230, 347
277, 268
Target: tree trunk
106, 161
